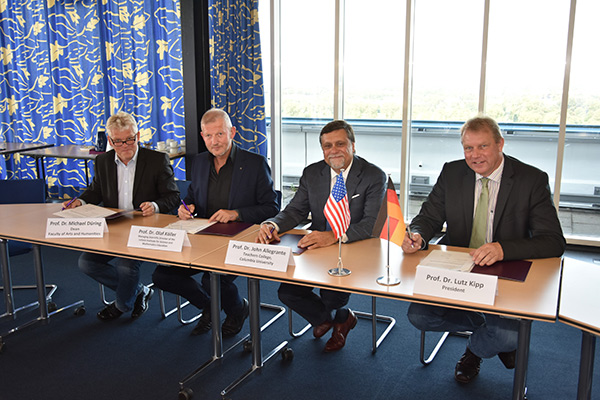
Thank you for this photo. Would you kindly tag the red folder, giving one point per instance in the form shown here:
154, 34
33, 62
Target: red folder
515, 270
228, 229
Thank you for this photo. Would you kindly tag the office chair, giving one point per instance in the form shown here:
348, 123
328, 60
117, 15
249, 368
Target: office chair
438, 346
22, 191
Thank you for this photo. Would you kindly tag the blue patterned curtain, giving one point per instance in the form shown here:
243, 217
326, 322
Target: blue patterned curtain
236, 69
68, 65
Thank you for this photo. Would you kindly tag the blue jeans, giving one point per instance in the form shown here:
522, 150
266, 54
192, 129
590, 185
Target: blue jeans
180, 281
492, 334
122, 276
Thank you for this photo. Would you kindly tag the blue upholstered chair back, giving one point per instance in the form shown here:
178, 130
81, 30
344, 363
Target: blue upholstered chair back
20, 191
183, 189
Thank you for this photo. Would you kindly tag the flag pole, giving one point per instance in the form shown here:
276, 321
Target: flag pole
339, 270
387, 279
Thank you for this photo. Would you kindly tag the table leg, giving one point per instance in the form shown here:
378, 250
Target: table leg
87, 173
586, 366
42, 302
41, 171
6, 278
41, 283
519, 388
217, 338
255, 333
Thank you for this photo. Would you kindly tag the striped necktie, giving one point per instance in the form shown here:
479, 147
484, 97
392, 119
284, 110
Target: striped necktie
480, 220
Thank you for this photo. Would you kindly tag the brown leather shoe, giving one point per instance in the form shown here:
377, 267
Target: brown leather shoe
320, 330
467, 367
340, 333
508, 359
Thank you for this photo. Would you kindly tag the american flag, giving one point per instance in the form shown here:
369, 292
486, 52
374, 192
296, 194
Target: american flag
336, 209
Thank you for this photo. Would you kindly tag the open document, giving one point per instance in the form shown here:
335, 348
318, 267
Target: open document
453, 260
86, 211
194, 225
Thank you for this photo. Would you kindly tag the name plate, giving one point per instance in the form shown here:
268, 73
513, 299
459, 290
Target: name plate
466, 286
157, 238
258, 255
75, 227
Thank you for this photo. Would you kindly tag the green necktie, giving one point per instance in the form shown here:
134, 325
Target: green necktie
480, 221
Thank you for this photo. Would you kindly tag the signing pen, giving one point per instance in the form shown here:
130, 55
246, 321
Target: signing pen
410, 236
69, 203
186, 207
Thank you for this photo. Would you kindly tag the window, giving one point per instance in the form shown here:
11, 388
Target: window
580, 184
446, 75
523, 89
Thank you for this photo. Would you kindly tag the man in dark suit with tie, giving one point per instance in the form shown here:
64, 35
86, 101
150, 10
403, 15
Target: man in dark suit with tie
365, 185
503, 210
127, 177
228, 184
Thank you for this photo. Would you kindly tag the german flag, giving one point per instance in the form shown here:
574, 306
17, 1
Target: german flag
390, 207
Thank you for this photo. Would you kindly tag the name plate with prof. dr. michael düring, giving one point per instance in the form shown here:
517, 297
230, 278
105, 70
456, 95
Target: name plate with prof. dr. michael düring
457, 285
147, 237
256, 255
75, 228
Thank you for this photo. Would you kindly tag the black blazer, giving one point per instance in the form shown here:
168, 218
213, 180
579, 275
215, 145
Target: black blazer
154, 181
525, 221
365, 187
251, 192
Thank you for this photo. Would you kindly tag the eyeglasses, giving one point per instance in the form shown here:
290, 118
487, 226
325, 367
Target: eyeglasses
119, 142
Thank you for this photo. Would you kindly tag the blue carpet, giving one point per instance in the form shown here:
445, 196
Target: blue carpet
83, 358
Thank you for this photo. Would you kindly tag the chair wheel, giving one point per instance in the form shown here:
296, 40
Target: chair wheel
52, 306
248, 346
185, 394
287, 354
79, 311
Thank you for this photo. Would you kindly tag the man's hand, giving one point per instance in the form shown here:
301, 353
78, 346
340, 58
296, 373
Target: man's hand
147, 208
267, 234
224, 216
317, 239
412, 244
183, 213
487, 254
75, 203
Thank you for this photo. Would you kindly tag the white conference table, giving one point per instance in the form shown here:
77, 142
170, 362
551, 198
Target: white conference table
579, 307
27, 222
534, 299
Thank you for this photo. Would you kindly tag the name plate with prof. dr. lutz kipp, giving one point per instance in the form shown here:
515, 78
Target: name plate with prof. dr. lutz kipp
456, 285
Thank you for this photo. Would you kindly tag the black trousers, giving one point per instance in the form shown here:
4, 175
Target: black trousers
180, 281
312, 307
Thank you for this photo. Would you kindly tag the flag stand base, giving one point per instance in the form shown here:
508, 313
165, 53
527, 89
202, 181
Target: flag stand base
339, 272
388, 280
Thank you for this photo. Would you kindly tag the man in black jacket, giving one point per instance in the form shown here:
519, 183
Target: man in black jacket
127, 177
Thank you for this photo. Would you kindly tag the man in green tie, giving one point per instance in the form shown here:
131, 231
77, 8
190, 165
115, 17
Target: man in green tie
502, 209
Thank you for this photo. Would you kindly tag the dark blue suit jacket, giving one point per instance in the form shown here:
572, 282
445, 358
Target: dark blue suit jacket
365, 187
251, 193
525, 221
